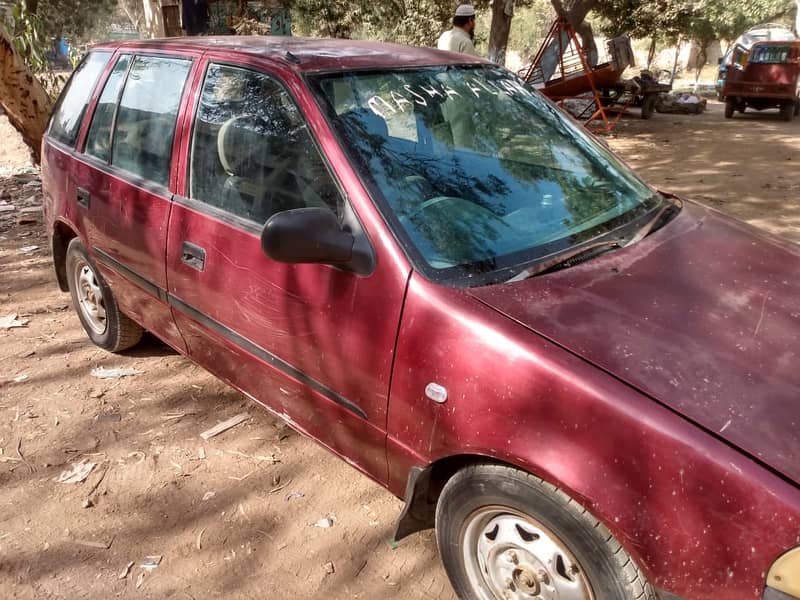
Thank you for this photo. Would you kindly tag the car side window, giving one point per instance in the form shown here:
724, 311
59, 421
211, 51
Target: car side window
252, 154
148, 110
68, 114
98, 141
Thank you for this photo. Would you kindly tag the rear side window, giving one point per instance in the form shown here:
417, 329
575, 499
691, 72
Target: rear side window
72, 104
145, 124
98, 142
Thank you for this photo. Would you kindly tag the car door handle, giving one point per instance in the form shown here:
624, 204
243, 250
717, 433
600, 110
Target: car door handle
193, 256
83, 197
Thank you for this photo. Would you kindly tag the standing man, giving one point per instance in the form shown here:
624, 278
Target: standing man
459, 38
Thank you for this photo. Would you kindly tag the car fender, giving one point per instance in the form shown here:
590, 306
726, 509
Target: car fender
701, 519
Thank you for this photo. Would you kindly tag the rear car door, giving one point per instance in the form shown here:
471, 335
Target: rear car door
122, 183
58, 149
312, 342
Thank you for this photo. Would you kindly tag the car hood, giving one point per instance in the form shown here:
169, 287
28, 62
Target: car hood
703, 315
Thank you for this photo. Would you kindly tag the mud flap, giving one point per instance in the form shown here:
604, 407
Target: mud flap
419, 512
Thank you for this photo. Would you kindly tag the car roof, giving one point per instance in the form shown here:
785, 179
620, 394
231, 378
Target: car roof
795, 43
306, 54
765, 33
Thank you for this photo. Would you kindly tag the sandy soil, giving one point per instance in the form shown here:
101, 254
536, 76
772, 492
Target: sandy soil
234, 517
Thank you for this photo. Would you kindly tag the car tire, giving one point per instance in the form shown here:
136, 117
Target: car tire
730, 108
94, 302
787, 111
500, 529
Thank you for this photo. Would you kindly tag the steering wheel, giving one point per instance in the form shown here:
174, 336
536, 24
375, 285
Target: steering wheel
430, 202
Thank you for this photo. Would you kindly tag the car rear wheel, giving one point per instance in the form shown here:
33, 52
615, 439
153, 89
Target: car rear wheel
505, 534
97, 309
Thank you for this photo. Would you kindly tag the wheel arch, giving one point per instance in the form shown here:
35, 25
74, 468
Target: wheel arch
63, 234
425, 484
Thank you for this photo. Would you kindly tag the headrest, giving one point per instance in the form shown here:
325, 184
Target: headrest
366, 121
237, 141
252, 139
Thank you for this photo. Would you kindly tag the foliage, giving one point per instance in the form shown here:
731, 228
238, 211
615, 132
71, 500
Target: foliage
695, 19
74, 19
249, 26
405, 21
720, 19
417, 22
133, 10
662, 19
29, 36
328, 18
530, 26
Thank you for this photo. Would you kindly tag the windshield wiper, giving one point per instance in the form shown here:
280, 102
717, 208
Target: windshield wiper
597, 247
565, 257
650, 225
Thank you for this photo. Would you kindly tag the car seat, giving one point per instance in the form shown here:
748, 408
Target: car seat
244, 153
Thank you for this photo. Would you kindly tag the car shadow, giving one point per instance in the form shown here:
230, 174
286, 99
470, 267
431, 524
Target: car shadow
149, 347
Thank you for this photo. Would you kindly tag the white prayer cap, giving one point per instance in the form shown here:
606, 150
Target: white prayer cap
465, 10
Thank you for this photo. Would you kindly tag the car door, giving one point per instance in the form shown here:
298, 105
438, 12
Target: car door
122, 183
312, 342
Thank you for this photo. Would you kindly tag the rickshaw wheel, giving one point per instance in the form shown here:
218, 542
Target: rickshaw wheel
788, 111
730, 108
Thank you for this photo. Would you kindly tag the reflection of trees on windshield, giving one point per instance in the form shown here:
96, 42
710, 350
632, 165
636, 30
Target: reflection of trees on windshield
419, 180
475, 167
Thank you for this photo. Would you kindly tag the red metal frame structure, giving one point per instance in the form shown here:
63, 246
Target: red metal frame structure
577, 77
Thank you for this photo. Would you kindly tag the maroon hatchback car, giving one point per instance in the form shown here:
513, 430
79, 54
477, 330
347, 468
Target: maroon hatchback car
591, 389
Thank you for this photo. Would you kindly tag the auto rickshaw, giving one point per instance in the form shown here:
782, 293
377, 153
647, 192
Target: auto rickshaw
768, 32
765, 76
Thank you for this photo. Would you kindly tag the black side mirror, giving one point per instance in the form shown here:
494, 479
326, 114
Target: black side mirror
307, 235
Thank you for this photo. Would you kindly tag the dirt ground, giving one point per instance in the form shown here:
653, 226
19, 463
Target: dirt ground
235, 516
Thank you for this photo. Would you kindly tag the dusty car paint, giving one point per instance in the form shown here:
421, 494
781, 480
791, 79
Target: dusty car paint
681, 500
696, 316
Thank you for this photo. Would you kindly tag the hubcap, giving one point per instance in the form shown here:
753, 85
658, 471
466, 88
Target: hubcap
511, 556
90, 297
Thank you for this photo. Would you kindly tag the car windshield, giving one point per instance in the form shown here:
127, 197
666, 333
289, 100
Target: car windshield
477, 174
773, 54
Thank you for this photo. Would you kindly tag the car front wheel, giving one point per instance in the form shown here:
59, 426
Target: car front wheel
505, 534
95, 304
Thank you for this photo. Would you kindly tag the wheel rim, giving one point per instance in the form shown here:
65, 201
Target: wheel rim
90, 296
510, 555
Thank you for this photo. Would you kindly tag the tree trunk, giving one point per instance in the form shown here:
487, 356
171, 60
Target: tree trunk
134, 14
675, 64
22, 97
585, 32
502, 12
797, 19
700, 62
651, 54
575, 11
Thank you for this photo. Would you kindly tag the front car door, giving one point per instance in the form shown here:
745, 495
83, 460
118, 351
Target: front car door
312, 342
